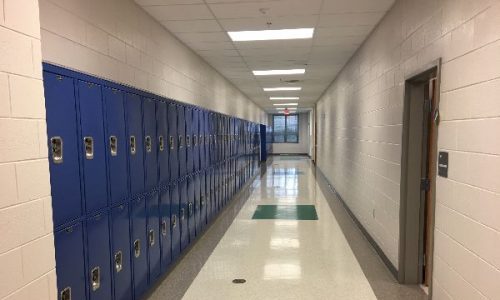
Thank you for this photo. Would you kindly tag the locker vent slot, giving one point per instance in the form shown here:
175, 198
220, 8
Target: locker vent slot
133, 145
149, 145
95, 278
66, 294
118, 261
56, 144
113, 145
88, 141
164, 228
161, 142
171, 142
137, 248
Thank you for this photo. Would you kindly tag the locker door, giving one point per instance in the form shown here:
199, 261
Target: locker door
181, 131
122, 271
149, 143
93, 146
211, 131
163, 149
116, 144
165, 234
70, 266
203, 200
213, 198
172, 142
98, 255
60, 102
183, 213
135, 138
175, 219
191, 208
196, 140
154, 253
201, 139
189, 140
197, 203
138, 247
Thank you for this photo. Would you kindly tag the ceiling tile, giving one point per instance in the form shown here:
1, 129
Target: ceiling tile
356, 6
350, 19
192, 26
179, 12
266, 9
243, 24
167, 2
194, 37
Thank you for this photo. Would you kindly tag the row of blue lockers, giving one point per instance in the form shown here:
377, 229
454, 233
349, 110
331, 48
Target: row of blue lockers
135, 179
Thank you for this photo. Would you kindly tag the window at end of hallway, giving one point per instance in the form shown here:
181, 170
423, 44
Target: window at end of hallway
285, 128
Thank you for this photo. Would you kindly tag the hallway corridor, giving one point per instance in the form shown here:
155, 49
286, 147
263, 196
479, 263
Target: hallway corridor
279, 256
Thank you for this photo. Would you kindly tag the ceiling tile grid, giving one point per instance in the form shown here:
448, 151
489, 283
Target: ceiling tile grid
341, 26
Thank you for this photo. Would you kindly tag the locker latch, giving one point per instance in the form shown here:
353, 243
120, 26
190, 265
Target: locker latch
151, 237
195, 140
66, 294
182, 213
118, 261
133, 148
149, 145
188, 141
202, 201
181, 142
171, 142
164, 228
137, 248
190, 209
56, 144
113, 145
161, 143
174, 221
95, 278
88, 141
207, 139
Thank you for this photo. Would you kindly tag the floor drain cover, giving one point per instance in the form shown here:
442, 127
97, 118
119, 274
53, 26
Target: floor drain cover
239, 280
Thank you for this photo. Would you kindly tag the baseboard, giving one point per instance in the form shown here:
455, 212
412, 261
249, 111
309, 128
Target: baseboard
290, 154
367, 235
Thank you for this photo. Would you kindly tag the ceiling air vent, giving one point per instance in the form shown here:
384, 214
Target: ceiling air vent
291, 81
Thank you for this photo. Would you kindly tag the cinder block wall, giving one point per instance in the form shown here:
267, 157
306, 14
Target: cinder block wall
26, 246
360, 135
119, 41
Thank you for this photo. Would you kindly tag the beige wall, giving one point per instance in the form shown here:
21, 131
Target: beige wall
117, 40
302, 147
27, 244
360, 128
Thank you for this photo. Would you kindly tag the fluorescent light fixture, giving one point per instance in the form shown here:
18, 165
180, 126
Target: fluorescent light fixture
286, 104
266, 35
278, 89
279, 72
284, 98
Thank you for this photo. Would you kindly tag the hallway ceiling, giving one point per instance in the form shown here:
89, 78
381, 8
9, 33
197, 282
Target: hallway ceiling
340, 28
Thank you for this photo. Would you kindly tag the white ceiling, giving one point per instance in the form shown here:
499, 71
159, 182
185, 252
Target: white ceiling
340, 28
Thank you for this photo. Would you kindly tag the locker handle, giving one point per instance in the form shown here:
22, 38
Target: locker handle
95, 278
164, 228
137, 248
182, 213
57, 149
133, 148
113, 145
181, 142
118, 261
190, 209
195, 140
151, 237
171, 142
202, 201
207, 139
188, 141
66, 293
174, 221
161, 142
149, 144
88, 142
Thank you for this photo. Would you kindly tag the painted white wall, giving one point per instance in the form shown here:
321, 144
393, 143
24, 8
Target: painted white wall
302, 147
27, 245
360, 131
117, 40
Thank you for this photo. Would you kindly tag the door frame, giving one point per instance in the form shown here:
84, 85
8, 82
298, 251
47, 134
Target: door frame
410, 225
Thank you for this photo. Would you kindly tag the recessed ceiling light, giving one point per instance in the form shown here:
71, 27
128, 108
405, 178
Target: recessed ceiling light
286, 104
276, 89
284, 98
266, 35
279, 72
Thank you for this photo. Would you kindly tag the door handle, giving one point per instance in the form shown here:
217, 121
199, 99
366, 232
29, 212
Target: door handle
118, 261
95, 278
133, 145
56, 146
88, 142
113, 145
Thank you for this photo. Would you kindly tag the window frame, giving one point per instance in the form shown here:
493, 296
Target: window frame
285, 133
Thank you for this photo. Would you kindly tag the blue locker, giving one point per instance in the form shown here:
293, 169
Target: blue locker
116, 144
154, 252
165, 234
98, 255
175, 209
135, 138
197, 203
151, 160
122, 270
201, 139
213, 198
189, 140
163, 149
62, 131
204, 199
172, 142
196, 140
183, 213
191, 208
181, 131
139, 246
70, 266
93, 146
